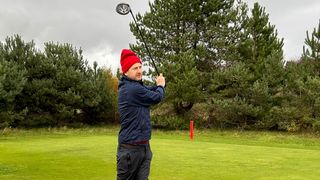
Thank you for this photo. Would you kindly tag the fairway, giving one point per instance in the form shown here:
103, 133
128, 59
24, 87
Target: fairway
90, 154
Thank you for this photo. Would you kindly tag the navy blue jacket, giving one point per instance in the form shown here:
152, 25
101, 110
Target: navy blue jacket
133, 103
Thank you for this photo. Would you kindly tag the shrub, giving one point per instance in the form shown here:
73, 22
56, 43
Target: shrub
169, 122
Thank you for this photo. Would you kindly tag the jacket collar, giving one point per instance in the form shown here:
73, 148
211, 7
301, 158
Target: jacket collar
126, 78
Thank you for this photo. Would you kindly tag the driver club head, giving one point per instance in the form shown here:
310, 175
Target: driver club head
123, 8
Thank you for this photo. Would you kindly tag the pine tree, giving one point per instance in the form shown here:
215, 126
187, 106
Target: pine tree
12, 81
301, 107
189, 40
260, 40
15, 54
251, 85
311, 51
51, 88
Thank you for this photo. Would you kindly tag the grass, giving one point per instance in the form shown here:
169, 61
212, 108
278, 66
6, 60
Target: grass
89, 153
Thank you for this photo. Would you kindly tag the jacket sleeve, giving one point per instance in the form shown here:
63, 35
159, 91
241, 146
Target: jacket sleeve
151, 88
143, 96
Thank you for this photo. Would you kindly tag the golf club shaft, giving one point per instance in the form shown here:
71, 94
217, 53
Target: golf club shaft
144, 42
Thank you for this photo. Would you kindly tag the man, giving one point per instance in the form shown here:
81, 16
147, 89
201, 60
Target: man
134, 154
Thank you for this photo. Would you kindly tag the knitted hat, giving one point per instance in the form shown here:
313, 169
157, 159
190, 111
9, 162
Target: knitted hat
128, 58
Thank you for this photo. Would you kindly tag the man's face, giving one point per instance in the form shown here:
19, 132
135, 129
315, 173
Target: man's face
135, 72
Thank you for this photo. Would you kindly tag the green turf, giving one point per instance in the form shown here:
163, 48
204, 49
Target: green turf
90, 154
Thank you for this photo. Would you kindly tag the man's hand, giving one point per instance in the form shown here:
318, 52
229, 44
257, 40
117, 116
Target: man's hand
160, 80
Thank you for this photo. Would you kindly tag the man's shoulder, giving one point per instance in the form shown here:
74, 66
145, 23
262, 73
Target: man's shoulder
133, 86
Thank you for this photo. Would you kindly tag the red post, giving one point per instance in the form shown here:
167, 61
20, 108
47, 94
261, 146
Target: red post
191, 129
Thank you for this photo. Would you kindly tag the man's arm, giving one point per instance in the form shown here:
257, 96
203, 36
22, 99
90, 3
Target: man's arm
151, 88
141, 95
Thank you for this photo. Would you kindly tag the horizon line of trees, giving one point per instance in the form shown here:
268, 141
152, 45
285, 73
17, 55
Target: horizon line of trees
223, 63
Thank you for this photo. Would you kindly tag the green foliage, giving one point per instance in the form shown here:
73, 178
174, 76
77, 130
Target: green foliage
245, 90
170, 122
301, 90
311, 51
302, 97
283, 118
316, 125
219, 59
189, 40
231, 82
51, 88
102, 105
260, 37
312, 48
12, 81
183, 84
234, 113
214, 52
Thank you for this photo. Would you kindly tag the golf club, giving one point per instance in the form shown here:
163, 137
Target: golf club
124, 9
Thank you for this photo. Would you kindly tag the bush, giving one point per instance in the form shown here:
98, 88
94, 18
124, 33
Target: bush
234, 113
286, 119
170, 122
316, 125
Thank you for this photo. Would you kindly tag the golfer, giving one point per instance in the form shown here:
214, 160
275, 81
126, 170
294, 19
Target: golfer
133, 153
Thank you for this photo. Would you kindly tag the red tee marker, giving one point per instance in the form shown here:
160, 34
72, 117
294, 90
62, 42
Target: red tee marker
191, 129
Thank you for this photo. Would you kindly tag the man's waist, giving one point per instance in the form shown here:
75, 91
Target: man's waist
136, 136
140, 142
135, 144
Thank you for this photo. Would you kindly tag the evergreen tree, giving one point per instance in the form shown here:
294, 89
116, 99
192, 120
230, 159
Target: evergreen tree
265, 59
53, 88
17, 54
311, 51
107, 85
251, 85
229, 89
260, 40
188, 39
300, 106
12, 81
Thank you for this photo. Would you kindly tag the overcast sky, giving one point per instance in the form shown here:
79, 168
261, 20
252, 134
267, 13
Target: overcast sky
94, 26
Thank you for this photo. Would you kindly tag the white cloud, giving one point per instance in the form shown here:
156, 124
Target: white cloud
105, 56
96, 28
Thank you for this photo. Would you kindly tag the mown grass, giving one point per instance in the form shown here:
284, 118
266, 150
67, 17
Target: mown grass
89, 153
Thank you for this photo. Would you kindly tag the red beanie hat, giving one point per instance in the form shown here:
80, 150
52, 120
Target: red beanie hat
128, 58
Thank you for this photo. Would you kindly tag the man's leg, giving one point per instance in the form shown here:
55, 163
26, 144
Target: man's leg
129, 159
144, 170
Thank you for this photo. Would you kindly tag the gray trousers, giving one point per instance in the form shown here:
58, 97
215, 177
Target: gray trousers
133, 162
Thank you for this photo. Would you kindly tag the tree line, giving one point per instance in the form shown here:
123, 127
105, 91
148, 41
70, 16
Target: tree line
223, 63
224, 66
55, 87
